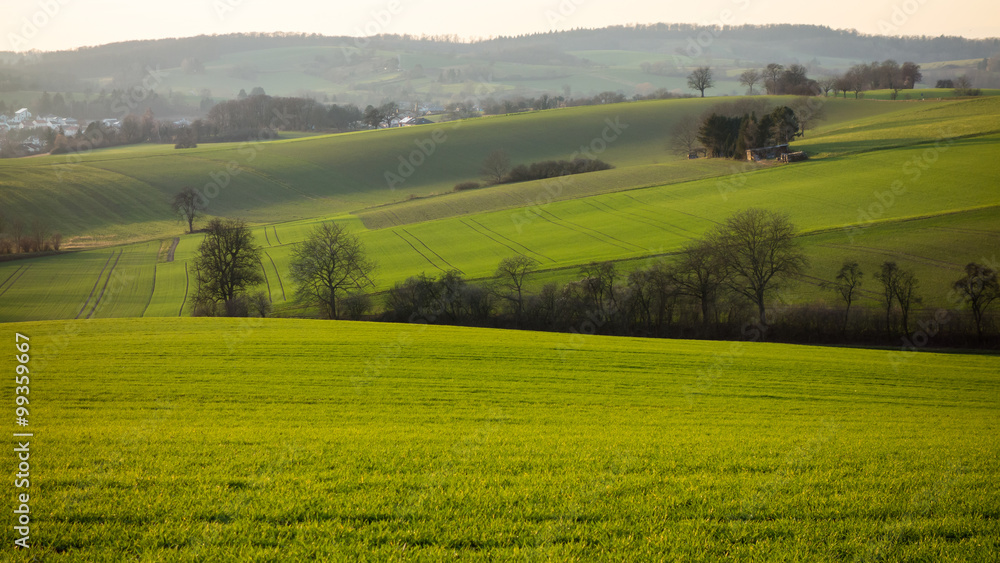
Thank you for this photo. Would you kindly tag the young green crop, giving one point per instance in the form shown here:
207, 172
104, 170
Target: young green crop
235, 440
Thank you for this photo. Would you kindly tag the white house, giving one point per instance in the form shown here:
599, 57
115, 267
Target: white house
21, 115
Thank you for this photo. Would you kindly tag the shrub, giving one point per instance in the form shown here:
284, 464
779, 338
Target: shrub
462, 186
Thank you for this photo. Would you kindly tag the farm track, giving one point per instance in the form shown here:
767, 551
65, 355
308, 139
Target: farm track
275, 234
21, 269
605, 208
278, 275
647, 205
498, 235
923, 259
501, 243
267, 238
415, 249
105, 288
187, 283
152, 292
268, 283
592, 233
173, 247
431, 250
662, 224
96, 283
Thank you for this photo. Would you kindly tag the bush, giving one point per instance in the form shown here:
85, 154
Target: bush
462, 186
356, 305
553, 169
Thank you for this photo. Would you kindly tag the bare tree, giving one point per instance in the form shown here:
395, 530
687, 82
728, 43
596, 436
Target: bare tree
496, 166
772, 76
511, 274
759, 251
701, 79
328, 264
750, 77
888, 276
188, 205
39, 234
599, 285
17, 234
906, 294
846, 284
684, 135
228, 263
827, 84
56, 240
699, 274
979, 288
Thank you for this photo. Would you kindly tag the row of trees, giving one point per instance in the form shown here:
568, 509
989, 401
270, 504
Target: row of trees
20, 237
775, 78
726, 284
497, 169
887, 75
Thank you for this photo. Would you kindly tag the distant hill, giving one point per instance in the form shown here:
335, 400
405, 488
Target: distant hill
627, 59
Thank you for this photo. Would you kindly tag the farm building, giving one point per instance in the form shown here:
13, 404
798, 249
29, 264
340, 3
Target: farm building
792, 157
767, 153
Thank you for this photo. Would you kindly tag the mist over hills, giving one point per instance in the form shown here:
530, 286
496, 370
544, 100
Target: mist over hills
436, 69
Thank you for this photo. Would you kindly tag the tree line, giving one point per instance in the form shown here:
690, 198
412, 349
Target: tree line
737, 282
18, 236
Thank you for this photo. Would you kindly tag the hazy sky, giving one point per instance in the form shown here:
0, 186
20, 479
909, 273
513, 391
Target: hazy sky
63, 24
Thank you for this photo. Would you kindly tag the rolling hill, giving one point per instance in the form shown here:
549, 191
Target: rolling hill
934, 155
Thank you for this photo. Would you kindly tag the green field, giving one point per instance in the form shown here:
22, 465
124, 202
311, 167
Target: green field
649, 206
935, 155
243, 440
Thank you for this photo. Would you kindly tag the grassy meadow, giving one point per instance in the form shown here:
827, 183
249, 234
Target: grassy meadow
254, 440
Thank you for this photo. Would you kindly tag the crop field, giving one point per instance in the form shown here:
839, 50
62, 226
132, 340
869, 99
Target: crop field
884, 179
242, 440
123, 194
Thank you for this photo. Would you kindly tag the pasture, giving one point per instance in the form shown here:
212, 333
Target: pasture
254, 440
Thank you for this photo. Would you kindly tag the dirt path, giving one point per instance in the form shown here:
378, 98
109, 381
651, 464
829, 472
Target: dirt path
173, 247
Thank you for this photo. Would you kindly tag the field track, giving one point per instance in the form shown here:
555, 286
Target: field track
173, 247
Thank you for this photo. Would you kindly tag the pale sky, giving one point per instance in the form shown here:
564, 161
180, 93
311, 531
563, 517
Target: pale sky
48, 25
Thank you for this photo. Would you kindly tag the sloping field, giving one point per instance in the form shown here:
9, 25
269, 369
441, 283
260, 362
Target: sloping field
237, 440
124, 193
875, 188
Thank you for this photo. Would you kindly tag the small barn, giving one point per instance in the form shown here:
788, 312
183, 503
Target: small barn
792, 157
767, 153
